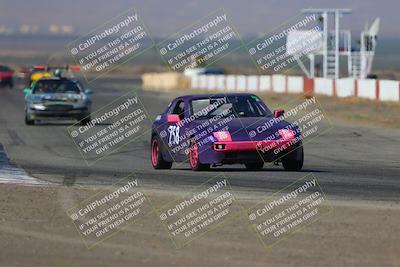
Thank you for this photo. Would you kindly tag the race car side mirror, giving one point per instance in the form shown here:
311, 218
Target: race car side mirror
278, 113
27, 91
173, 118
88, 92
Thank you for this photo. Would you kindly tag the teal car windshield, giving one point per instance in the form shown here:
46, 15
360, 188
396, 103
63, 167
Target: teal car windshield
56, 87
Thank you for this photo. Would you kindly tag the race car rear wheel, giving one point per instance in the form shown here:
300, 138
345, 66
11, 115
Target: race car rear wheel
194, 158
157, 160
254, 165
294, 160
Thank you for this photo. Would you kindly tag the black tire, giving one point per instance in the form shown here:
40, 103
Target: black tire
29, 121
85, 121
254, 165
294, 161
194, 161
157, 160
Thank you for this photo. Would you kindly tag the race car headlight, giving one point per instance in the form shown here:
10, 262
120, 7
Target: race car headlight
286, 133
222, 136
38, 106
219, 146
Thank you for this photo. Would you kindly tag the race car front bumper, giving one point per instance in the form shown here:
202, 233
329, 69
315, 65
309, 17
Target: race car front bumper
80, 112
263, 146
229, 152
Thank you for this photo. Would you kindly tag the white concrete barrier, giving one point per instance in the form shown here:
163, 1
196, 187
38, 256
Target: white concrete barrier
241, 83
383, 90
389, 90
279, 83
265, 83
211, 82
345, 87
367, 89
295, 84
221, 85
231, 83
323, 86
253, 83
195, 82
203, 82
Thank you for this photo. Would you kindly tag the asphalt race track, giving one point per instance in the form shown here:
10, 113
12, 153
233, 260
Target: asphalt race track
350, 161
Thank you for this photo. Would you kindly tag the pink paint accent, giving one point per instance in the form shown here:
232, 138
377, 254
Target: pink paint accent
264, 145
223, 136
356, 88
377, 90
286, 84
278, 113
308, 86
173, 118
286, 133
334, 87
154, 153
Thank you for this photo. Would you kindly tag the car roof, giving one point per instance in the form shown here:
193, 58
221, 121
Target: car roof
57, 79
199, 96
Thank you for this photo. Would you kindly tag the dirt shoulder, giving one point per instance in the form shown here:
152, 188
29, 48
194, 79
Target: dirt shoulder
35, 231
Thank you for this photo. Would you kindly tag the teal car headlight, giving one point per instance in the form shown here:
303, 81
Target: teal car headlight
38, 106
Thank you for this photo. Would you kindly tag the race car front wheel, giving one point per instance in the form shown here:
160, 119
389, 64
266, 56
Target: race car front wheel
294, 160
254, 165
28, 120
85, 121
194, 158
156, 156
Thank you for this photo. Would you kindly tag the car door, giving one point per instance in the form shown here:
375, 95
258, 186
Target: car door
172, 131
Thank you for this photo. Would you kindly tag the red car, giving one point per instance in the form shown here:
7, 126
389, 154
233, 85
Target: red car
6, 76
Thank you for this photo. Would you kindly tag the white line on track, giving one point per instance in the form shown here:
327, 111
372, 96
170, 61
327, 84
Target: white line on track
12, 174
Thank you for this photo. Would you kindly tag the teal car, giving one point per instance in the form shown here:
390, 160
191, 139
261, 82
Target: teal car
57, 98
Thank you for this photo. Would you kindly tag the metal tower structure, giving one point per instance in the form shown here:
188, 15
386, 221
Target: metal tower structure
330, 48
336, 43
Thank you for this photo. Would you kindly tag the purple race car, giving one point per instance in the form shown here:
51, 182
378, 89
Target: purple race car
212, 130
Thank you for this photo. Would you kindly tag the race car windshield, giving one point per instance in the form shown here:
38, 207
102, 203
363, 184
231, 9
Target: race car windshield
56, 87
238, 106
